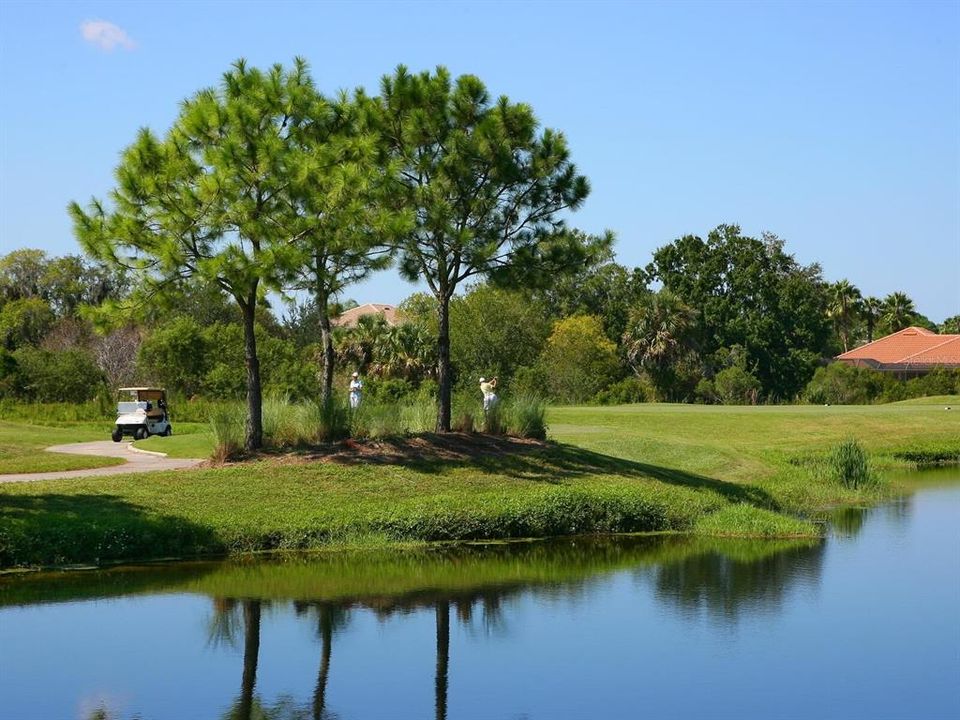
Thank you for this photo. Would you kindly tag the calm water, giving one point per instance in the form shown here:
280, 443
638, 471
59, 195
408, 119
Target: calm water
863, 625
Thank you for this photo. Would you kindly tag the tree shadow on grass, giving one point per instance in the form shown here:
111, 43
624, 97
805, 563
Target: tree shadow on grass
533, 461
60, 529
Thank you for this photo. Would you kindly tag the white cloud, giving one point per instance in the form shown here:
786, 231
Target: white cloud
105, 35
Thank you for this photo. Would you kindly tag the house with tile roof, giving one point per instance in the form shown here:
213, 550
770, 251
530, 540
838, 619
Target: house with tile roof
350, 317
908, 353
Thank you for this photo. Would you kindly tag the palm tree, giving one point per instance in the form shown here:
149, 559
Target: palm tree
842, 307
404, 351
660, 333
871, 309
898, 311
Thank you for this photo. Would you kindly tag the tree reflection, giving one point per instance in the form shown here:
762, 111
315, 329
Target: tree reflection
443, 660
222, 630
744, 576
330, 617
723, 577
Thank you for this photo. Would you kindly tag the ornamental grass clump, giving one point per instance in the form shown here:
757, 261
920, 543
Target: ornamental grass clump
419, 416
324, 421
526, 417
851, 466
228, 424
281, 422
492, 423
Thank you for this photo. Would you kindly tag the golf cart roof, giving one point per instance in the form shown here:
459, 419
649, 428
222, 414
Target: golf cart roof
138, 389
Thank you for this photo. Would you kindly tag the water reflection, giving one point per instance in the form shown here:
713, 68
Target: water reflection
743, 577
458, 586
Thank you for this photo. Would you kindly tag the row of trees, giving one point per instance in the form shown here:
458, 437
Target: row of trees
265, 184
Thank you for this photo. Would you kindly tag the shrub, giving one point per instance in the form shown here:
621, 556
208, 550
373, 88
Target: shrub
47, 376
736, 386
526, 417
578, 360
706, 392
842, 384
626, 391
850, 465
228, 423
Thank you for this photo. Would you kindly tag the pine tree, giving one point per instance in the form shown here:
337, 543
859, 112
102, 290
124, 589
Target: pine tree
486, 187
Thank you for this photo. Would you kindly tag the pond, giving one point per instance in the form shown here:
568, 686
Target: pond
865, 624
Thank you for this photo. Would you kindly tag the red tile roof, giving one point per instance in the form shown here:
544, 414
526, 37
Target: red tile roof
350, 317
912, 347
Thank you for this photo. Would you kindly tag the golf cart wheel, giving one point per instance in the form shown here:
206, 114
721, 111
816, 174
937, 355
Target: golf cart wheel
169, 431
142, 434
117, 435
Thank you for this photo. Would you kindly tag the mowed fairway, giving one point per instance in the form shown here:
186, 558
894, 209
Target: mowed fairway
752, 471
749, 444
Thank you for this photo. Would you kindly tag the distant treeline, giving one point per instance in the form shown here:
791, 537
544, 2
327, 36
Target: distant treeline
762, 330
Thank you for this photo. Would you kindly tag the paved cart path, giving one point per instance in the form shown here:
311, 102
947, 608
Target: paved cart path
137, 461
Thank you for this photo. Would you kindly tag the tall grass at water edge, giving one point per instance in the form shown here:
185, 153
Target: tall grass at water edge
851, 466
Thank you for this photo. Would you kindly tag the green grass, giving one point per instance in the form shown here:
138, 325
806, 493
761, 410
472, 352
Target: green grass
22, 447
750, 471
953, 401
191, 441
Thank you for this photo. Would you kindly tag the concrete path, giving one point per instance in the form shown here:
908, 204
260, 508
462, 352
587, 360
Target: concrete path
137, 461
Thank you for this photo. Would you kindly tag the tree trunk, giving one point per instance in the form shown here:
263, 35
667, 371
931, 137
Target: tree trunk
251, 656
443, 364
326, 342
443, 660
254, 439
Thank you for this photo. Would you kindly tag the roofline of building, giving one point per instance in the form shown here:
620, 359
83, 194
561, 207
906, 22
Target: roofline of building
874, 342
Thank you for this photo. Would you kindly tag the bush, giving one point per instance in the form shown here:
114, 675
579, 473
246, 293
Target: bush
850, 465
626, 391
842, 384
706, 392
47, 376
578, 360
526, 417
736, 386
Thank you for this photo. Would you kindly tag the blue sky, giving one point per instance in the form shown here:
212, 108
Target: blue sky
835, 125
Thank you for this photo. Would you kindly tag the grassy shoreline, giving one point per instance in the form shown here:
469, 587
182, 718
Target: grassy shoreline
746, 472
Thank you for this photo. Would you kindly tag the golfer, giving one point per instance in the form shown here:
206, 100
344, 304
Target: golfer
356, 387
489, 396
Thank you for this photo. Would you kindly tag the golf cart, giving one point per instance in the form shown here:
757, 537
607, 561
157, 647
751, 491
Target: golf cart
141, 412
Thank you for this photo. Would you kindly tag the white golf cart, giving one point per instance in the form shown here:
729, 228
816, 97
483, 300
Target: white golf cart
141, 412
